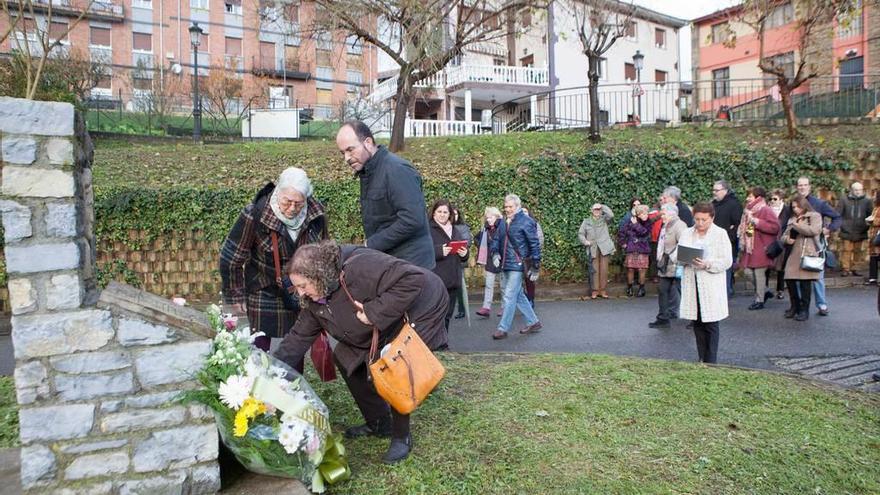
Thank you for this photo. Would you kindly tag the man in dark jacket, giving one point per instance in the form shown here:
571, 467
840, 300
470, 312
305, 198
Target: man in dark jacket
392, 201
672, 194
517, 250
728, 214
853, 210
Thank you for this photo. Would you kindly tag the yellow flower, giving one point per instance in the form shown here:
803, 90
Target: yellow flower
250, 409
241, 425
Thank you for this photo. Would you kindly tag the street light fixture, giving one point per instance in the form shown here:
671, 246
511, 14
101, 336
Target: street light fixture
639, 62
195, 35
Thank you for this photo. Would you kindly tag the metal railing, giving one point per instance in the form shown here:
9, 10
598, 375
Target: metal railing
856, 95
459, 74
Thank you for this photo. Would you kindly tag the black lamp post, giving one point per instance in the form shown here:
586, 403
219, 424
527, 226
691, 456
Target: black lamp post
195, 33
639, 62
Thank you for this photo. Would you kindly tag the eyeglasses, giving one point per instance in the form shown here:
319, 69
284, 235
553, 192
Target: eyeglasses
774, 199
286, 203
717, 190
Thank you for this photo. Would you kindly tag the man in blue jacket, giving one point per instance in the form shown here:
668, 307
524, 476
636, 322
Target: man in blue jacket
393, 207
517, 251
832, 220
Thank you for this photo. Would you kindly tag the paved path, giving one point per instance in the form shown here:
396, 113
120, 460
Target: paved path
754, 339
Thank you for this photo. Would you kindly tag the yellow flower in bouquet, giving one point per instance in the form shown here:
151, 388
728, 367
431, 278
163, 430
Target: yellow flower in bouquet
249, 410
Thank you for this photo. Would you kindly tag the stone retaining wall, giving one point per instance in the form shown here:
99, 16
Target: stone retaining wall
95, 380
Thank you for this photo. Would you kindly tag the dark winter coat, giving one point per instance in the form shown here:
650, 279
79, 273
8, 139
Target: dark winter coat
635, 237
853, 212
728, 213
393, 209
388, 287
830, 217
685, 214
448, 268
516, 242
247, 266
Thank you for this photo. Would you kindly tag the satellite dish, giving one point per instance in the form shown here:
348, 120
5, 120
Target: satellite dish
176, 68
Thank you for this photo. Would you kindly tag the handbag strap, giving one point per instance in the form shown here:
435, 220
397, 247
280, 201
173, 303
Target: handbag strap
374, 342
276, 258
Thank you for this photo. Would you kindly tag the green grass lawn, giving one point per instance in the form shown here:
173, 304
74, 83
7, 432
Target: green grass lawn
8, 413
122, 163
596, 424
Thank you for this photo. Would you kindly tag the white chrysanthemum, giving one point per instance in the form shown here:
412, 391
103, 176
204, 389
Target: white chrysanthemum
235, 390
246, 335
289, 440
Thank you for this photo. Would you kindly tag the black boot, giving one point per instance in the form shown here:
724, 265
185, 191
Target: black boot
398, 450
629, 290
641, 292
382, 429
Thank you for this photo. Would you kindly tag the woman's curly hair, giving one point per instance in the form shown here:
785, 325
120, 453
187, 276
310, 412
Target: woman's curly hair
319, 263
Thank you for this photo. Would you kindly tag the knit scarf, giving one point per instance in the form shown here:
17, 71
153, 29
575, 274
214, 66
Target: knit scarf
293, 225
747, 239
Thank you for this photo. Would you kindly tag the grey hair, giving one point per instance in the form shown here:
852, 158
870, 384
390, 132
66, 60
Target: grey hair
672, 192
491, 210
723, 183
514, 199
296, 179
669, 208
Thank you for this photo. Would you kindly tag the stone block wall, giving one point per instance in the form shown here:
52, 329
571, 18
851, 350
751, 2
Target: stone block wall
96, 383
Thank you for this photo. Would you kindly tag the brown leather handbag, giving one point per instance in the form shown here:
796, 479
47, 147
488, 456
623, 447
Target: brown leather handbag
407, 371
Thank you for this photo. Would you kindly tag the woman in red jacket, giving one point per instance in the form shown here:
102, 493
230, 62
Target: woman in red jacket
757, 230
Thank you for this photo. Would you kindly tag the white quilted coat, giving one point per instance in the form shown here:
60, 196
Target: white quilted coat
712, 282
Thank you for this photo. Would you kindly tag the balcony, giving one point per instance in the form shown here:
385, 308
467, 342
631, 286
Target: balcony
497, 79
99, 10
277, 67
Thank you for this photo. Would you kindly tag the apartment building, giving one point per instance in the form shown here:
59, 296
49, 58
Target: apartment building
140, 40
847, 54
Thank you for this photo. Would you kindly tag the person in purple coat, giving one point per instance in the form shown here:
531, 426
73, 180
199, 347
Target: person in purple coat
757, 230
635, 239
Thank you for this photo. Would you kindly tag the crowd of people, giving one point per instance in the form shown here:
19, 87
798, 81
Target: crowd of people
280, 269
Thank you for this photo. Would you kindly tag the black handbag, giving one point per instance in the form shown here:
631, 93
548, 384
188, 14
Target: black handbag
774, 249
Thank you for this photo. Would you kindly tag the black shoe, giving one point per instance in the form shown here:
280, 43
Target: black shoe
641, 292
659, 324
398, 450
789, 313
365, 430
802, 316
629, 291
459, 316
690, 325
856, 274
780, 294
768, 295
756, 305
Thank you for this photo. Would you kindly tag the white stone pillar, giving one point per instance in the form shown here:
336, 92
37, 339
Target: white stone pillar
533, 111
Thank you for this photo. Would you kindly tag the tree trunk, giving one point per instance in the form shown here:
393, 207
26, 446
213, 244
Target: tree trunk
593, 76
788, 109
401, 106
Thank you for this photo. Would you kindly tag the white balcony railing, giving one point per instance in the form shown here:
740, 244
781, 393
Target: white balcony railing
432, 128
451, 76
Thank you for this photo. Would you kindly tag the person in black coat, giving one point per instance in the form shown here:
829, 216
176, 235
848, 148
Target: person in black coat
728, 214
448, 262
392, 200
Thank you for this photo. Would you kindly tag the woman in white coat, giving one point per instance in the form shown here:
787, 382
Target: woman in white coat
704, 284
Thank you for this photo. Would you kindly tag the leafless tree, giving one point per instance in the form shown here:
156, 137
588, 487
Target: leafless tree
156, 93
421, 36
813, 21
37, 42
227, 100
598, 24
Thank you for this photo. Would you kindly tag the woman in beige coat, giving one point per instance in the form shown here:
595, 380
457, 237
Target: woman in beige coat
594, 236
802, 234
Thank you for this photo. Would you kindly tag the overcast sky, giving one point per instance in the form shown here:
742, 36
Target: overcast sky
687, 10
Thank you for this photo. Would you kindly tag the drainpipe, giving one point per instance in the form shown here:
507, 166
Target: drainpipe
551, 62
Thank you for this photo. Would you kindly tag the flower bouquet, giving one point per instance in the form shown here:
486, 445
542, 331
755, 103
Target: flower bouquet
267, 414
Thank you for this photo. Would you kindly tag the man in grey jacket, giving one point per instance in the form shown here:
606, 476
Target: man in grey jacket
393, 207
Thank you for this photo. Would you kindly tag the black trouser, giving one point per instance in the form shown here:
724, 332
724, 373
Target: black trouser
800, 296
373, 407
668, 298
459, 299
451, 308
707, 335
872, 267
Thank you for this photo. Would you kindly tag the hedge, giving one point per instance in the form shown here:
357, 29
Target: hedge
558, 189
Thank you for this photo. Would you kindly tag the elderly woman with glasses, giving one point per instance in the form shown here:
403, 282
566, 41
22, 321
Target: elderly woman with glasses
281, 218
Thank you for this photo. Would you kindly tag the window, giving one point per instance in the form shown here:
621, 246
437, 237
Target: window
58, 31
629, 71
233, 7
784, 61
474, 16
660, 38
721, 82
325, 41
267, 55
142, 42
660, 76
103, 82
291, 57
631, 30
99, 36
850, 25
142, 4
199, 4
354, 45
781, 15
142, 84
527, 61
325, 73
233, 46
291, 13
354, 78
720, 32
527, 18
601, 67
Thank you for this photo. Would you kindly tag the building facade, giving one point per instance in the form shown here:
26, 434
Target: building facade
726, 73
146, 41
